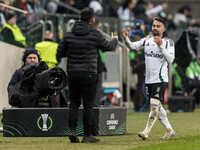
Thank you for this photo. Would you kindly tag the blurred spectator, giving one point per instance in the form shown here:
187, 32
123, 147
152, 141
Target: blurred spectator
193, 70
179, 80
171, 24
38, 6
8, 2
139, 30
2, 14
113, 7
97, 6
21, 18
125, 11
11, 32
182, 17
51, 7
153, 12
21, 4
47, 50
43, 3
64, 10
80, 4
140, 11
193, 73
30, 6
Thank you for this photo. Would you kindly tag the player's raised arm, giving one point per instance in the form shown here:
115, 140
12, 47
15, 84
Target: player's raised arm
131, 45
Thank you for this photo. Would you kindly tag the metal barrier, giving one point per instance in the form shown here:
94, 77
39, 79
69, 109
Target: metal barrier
33, 34
35, 26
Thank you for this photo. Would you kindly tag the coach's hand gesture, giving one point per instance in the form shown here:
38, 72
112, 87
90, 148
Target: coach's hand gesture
125, 32
112, 36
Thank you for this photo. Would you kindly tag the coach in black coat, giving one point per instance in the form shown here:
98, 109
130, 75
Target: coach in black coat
80, 47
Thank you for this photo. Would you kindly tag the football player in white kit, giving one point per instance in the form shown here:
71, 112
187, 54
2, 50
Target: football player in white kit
159, 51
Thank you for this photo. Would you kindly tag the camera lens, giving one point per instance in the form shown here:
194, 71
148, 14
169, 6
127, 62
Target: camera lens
55, 79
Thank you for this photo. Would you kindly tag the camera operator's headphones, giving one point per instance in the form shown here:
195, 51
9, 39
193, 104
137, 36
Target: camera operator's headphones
29, 51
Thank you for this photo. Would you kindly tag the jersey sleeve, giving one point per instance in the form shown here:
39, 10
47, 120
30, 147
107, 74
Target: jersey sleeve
135, 45
168, 50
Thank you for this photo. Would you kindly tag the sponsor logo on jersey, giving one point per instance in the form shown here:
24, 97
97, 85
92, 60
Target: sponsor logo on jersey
153, 55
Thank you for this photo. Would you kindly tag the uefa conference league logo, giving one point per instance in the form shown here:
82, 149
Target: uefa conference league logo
112, 123
43, 118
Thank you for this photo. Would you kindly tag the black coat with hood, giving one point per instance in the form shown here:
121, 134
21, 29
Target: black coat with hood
81, 45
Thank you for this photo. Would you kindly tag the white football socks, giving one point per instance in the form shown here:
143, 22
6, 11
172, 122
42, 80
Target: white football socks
153, 115
162, 116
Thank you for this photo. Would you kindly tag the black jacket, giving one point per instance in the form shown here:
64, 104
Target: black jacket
81, 45
15, 78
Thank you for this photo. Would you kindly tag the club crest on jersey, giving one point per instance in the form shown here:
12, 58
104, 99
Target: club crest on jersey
149, 44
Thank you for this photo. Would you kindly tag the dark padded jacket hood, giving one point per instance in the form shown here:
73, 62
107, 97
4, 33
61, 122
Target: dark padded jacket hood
81, 28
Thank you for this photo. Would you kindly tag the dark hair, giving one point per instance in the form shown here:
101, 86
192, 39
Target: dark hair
87, 14
126, 3
9, 16
181, 10
160, 20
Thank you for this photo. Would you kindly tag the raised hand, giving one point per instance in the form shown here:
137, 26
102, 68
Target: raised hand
112, 36
125, 32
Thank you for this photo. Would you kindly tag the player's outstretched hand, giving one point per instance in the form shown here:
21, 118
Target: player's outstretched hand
112, 36
125, 32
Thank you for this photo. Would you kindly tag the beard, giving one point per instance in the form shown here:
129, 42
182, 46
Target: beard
155, 33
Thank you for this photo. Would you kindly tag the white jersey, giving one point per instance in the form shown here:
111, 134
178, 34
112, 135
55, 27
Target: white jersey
156, 57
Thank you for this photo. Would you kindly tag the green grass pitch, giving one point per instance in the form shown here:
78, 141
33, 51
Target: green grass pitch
186, 125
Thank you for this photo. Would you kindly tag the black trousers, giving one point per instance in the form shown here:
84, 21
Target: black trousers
99, 91
82, 86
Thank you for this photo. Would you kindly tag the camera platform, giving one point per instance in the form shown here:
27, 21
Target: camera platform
47, 122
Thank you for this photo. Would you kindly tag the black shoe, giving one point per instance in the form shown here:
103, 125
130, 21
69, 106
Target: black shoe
73, 138
89, 139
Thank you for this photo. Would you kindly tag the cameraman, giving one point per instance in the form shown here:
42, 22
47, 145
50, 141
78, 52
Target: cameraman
30, 56
31, 85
